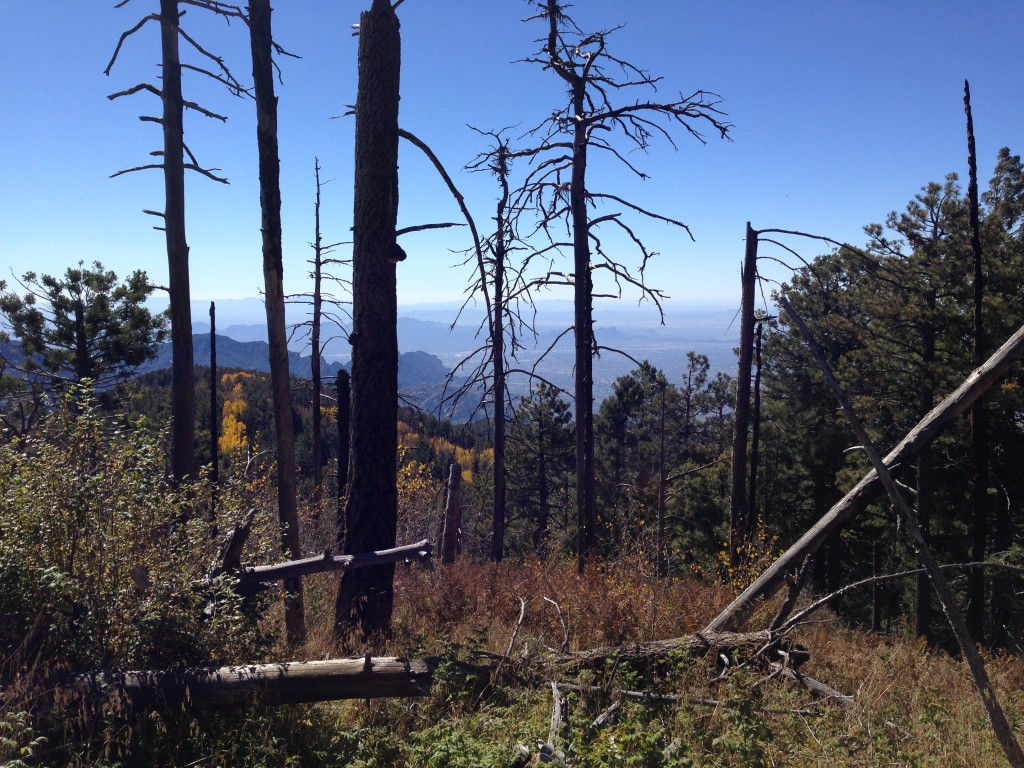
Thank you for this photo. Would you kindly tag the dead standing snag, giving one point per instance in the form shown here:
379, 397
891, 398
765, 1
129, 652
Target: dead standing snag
558, 189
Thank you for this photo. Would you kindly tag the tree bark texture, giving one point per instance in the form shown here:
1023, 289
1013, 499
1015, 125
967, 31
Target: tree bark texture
183, 383
586, 489
738, 511
957, 403
365, 596
273, 273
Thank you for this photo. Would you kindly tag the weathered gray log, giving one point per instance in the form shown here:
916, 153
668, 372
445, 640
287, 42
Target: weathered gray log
285, 683
252, 580
973, 387
355, 678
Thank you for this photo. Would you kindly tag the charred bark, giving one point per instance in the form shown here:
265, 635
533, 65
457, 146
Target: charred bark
183, 382
273, 273
738, 511
365, 597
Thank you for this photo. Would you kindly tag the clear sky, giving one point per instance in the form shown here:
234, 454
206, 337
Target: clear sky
842, 111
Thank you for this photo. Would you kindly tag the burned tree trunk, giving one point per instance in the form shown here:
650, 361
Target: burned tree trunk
314, 343
273, 269
498, 363
979, 437
214, 420
365, 597
738, 512
344, 421
183, 383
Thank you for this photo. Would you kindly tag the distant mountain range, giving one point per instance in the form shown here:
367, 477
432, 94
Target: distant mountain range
708, 329
432, 344
422, 378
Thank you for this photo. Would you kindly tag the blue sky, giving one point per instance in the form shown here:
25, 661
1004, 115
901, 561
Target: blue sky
842, 111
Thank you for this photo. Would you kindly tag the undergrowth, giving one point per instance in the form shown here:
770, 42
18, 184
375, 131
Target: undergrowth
103, 567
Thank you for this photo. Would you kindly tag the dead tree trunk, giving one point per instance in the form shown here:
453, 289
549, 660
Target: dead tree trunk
957, 403
357, 678
738, 511
183, 381
451, 533
270, 203
498, 363
344, 421
365, 596
586, 487
750, 524
979, 437
214, 420
1000, 725
317, 427
280, 683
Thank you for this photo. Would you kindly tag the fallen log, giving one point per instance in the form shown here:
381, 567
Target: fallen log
284, 683
973, 387
364, 678
260, 577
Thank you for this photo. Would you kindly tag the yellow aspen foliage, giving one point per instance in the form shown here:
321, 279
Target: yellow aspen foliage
233, 440
440, 447
417, 494
406, 437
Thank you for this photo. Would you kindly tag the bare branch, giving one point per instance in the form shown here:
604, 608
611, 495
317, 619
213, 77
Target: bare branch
126, 35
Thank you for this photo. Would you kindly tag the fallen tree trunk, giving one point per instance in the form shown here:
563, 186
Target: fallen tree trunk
285, 683
255, 579
973, 387
362, 678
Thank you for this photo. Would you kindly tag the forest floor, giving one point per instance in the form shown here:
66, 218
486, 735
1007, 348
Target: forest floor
911, 706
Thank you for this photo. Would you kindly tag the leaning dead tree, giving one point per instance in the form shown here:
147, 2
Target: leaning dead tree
175, 158
997, 717
558, 188
857, 499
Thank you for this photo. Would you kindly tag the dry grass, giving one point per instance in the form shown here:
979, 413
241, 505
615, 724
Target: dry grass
913, 706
